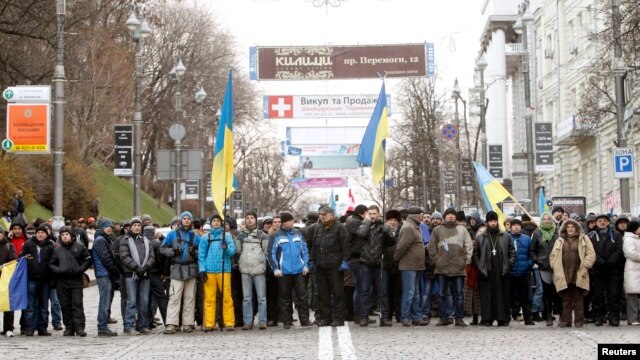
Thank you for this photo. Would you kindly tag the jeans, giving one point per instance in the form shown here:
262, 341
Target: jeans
105, 289
425, 295
37, 313
368, 276
248, 282
56, 310
537, 304
137, 303
410, 307
458, 298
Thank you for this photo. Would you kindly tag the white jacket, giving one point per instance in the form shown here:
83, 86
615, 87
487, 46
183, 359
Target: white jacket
631, 249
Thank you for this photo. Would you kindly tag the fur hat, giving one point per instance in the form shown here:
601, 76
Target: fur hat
394, 214
285, 216
491, 215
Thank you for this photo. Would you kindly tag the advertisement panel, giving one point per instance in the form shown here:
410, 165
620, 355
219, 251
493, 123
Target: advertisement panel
320, 183
495, 161
123, 150
28, 128
329, 162
339, 62
544, 147
297, 136
571, 204
324, 150
332, 172
320, 106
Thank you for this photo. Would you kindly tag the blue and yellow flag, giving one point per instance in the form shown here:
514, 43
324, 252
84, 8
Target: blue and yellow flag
222, 178
492, 191
13, 285
332, 201
373, 143
542, 203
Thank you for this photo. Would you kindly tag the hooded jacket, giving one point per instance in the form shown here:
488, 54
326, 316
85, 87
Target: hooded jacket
184, 264
378, 236
70, 261
18, 242
522, 247
631, 249
251, 246
104, 259
450, 249
211, 256
38, 258
585, 251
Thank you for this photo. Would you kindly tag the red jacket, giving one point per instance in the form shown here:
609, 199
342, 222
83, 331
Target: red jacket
18, 242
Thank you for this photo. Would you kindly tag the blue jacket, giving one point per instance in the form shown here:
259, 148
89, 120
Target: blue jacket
523, 263
289, 252
104, 261
210, 253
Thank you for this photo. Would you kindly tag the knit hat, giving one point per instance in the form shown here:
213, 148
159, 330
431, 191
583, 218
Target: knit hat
326, 209
491, 215
64, 229
360, 209
286, 216
436, 215
251, 213
461, 216
216, 216
186, 214
134, 220
105, 223
145, 217
516, 222
449, 211
603, 216
633, 226
41, 227
149, 232
394, 214
414, 210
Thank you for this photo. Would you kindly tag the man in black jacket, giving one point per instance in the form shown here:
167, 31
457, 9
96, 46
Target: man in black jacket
38, 251
329, 257
69, 262
378, 237
606, 272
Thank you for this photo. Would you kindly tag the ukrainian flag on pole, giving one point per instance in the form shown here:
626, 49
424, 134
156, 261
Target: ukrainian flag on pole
373, 143
492, 191
222, 179
13, 285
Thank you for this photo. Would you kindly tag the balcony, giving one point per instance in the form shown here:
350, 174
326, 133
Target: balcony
575, 130
514, 49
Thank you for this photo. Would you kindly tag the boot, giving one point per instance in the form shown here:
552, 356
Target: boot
80, 332
475, 320
460, 322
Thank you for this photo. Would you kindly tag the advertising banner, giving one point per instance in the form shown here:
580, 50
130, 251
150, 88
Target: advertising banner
320, 106
320, 182
328, 162
544, 147
332, 172
297, 136
123, 150
28, 128
338, 62
571, 204
496, 168
323, 150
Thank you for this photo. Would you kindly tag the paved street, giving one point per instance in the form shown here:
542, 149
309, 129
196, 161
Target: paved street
352, 342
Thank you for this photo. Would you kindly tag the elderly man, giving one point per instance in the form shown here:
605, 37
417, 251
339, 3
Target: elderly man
410, 256
450, 249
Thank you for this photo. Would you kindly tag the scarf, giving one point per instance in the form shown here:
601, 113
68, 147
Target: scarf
547, 231
134, 250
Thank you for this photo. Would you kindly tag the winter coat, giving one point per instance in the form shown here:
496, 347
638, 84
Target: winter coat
184, 265
378, 236
585, 251
70, 261
355, 242
631, 249
211, 256
330, 246
540, 249
482, 253
129, 266
410, 249
104, 260
289, 253
523, 263
7, 252
18, 242
38, 258
608, 248
450, 250
528, 227
252, 245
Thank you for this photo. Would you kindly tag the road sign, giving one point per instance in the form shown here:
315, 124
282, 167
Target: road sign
21, 94
123, 150
449, 132
177, 132
7, 144
623, 163
28, 127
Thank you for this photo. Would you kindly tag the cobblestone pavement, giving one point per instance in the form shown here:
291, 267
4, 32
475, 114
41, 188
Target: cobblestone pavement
349, 342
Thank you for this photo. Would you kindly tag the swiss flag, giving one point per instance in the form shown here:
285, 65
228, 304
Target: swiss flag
280, 107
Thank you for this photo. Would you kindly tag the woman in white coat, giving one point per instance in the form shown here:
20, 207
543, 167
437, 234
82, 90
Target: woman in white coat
631, 248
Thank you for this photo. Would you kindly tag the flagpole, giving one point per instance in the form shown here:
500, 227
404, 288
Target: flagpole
520, 206
224, 236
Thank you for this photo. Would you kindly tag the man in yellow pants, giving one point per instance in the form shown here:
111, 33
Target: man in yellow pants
214, 260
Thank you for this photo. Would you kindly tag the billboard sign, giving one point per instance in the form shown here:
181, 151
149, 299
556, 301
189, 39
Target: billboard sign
496, 168
571, 204
338, 62
320, 182
298, 136
323, 150
332, 172
123, 150
28, 127
320, 106
328, 162
544, 146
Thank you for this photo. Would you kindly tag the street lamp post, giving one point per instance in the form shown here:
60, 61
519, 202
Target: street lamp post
455, 94
177, 72
58, 150
199, 97
481, 65
138, 30
521, 27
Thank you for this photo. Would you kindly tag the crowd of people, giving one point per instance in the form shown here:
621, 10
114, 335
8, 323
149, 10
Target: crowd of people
404, 265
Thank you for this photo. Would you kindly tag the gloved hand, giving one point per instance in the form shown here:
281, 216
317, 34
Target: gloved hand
177, 252
277, 273
223, 245
312, 266
203, 276
145, 268
193, 251
141, 273
344, 266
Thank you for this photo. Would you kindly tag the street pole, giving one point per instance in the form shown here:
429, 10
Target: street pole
58, 150
178, 147
137, 130
620, 75
456, 96
202, 193
482, 64
531, 187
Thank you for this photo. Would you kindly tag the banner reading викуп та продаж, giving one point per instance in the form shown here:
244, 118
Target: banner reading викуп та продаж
341, 62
